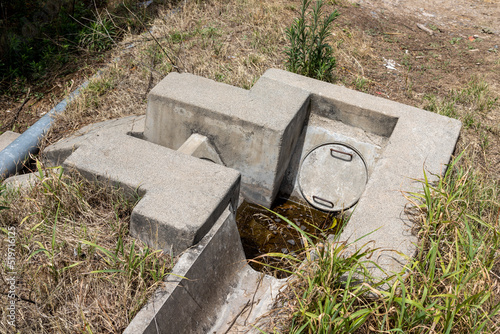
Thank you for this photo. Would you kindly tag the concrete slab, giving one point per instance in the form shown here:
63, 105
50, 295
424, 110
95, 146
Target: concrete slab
22, 181
6, 138
417, 140
55, 154
183, 196
254, 132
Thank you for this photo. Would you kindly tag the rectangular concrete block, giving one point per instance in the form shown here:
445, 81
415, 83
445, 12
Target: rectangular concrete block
417, 140
6, 138
254, 132
189, 300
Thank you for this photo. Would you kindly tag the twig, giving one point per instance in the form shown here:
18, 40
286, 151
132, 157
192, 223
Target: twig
150, 81
21, 298
237, 316
253, 298
424, 28
156, 41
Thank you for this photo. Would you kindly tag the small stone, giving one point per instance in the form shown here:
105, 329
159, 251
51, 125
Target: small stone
291, 242
487, 30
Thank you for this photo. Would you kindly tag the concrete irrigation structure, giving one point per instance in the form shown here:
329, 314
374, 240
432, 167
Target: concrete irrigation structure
203, 146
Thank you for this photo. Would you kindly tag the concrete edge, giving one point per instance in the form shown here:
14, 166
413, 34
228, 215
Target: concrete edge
186, 301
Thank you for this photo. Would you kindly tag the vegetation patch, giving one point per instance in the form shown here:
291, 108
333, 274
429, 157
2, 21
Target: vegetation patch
75, 268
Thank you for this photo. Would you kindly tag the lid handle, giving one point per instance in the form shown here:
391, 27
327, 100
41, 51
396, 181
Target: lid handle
322, 201
341, 152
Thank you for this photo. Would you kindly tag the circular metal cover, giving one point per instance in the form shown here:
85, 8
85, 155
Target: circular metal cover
332, 177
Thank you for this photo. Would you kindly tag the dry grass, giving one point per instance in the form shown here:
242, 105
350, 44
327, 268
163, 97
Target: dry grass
233, 42
77, 269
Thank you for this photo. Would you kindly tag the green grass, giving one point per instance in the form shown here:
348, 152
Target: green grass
475, 98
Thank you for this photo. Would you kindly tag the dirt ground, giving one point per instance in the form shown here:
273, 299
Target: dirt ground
448, 14
459, 40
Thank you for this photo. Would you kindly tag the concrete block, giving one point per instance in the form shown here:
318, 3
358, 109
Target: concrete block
55, 154
210, 285
6, 138
199, 146
183, 196
416, 140
254, 132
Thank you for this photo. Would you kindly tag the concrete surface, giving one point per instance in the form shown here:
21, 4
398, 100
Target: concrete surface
210, 290
254, 132
6, 138
320, 130
199, 146
182, 196
417, 140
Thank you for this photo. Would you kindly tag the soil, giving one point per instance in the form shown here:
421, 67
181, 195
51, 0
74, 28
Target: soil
455, 15
465, 44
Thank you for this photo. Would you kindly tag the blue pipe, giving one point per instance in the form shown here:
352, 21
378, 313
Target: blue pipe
14, 155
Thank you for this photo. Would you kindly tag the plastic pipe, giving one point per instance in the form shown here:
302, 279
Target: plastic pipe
14, 155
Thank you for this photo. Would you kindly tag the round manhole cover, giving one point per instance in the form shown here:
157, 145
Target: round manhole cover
332, 177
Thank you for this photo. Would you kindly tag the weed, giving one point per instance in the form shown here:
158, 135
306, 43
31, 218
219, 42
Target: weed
361, 84
2, 194
445, 288
443, 107
476, 95
98, 36
309, 53
485, 140
433, 27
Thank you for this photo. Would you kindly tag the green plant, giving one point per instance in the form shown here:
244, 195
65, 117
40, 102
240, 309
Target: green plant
72, 234
52, 252
98, 36
476, 95
444, 107
447, 287
360, 83
309, 53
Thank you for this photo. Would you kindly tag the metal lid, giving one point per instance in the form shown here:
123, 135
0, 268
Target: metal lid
332, 177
